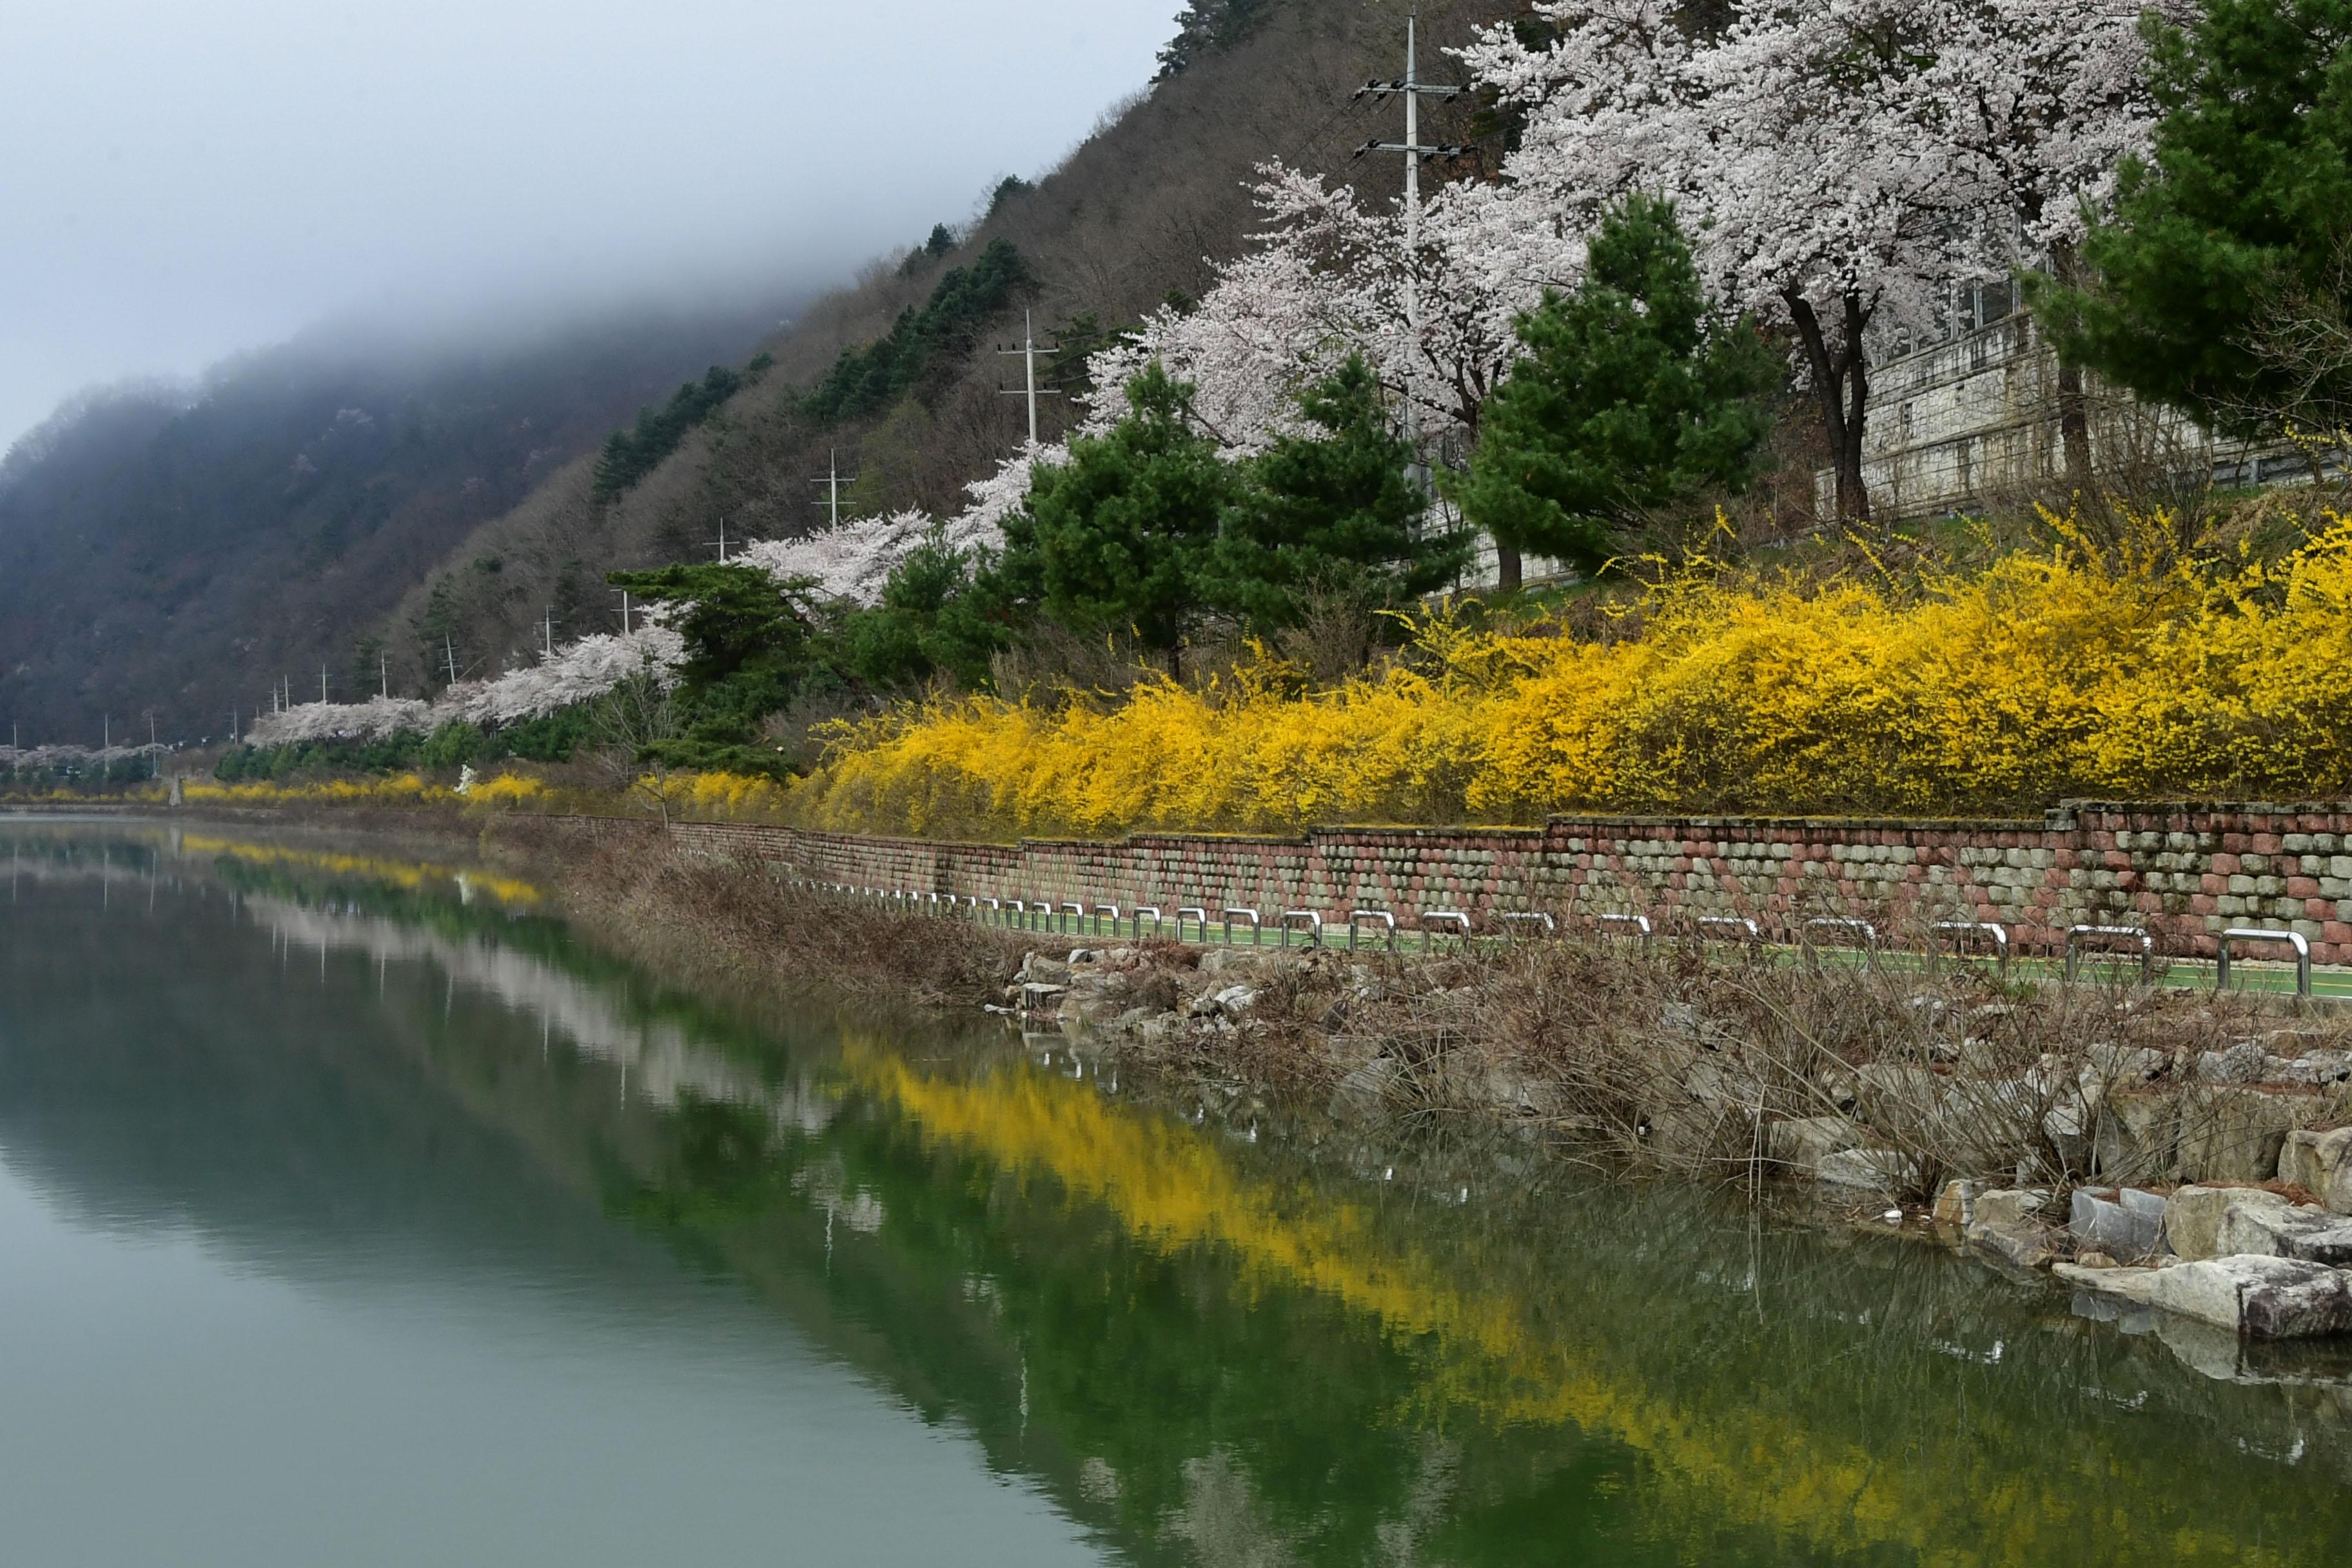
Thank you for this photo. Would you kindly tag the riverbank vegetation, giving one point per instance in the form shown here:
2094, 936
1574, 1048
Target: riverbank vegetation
2160, 660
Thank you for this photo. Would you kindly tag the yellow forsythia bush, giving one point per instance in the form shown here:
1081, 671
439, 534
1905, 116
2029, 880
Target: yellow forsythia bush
399, 789
2132, 672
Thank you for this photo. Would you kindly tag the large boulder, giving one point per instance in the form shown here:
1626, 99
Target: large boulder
2137, 1136
2332, 1247
2008, 1223
1801, 1144
2125, 1223
2258, 1298
2235, 1134
2322, 1163
2219, 1222
1867, 1170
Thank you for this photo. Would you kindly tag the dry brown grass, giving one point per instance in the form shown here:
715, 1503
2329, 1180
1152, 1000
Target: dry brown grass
703, 917
1678, 1063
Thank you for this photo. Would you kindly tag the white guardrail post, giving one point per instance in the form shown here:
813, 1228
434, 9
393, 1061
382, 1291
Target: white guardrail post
2294, 939
1226, 919
1512, 922
1741, 928
1313, 927
1962, 931
1356, 917
1863, 929
1431, 918
2074, 935
1638, 925
1198, 913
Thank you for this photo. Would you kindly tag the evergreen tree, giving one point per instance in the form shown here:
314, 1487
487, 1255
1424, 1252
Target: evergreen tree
2245, 209
928, 622
1118, 538
748, 647
1630, 395
1333, 511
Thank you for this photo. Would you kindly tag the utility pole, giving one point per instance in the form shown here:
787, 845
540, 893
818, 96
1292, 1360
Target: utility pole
1412, 92
322, 683
106, 732
449, 647
721, 541
547, 624
624, 611
1029, 350
383, 674
833, 482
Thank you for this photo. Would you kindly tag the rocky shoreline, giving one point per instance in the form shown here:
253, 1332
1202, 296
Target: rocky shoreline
2192, 1163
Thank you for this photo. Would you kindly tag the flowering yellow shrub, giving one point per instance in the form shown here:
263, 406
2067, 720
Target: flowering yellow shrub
727, 797
506, 792
399, 789
2073, 671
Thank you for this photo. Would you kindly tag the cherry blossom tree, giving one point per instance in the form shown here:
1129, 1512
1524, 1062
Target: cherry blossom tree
854, 561
1842, 162
575, 673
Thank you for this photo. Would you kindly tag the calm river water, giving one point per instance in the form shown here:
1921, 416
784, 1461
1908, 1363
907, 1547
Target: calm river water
351, 1212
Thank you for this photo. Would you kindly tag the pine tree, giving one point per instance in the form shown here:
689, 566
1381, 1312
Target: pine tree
1117, 539
1334, 512
1629, 397
2243, 211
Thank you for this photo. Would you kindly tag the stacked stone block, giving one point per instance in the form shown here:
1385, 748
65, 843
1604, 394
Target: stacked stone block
2184, 872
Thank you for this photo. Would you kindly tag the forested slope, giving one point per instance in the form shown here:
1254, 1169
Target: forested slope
1135, 216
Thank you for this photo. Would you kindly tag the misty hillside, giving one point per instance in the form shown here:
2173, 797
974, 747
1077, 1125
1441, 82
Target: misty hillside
1136, 215
180, 550
166, 557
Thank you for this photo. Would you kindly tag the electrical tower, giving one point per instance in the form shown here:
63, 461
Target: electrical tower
1412, 91
1029, 349
833, 480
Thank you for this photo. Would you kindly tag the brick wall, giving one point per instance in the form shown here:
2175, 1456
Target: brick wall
2184, 872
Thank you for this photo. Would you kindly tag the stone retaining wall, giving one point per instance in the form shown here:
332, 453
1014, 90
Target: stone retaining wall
2184, 872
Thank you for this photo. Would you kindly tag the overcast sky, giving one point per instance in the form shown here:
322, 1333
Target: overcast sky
184, 178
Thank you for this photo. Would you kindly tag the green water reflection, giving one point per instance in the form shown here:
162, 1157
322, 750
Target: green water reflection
1194, 1331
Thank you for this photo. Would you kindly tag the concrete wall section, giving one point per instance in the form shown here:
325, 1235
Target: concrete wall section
2184, 872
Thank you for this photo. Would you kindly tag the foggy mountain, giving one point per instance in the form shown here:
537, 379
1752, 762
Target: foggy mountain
314, 506
181, 549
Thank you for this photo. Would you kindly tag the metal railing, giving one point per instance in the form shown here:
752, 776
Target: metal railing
1863, 929
1226, 919
1356, 917
1962, 931
2075, 935
1741, 928
1514, 920
1141, 910
1312, 926
1430, 919
2294, 939
1199, 914
1639, 926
